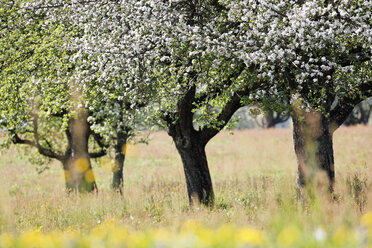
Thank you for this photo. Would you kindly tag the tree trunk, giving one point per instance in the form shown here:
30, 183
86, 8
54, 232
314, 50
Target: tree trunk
121, 146
67, 174
194, 160
313, 146
79, 168
269, 119
77, 178
81, 176
359, 115
365, 115
191, 143
272, 118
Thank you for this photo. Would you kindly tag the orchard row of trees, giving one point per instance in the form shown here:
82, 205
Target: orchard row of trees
78, 77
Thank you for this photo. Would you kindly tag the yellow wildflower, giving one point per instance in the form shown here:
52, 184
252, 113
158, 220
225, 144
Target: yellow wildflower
366, 219
288, 236
6, 240
341, 235
250, 236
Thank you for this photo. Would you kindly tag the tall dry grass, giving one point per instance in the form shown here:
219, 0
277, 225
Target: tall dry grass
253, 173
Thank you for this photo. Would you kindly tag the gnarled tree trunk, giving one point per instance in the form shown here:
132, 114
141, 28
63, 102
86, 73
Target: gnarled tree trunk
313, 146
191, 143
195, 165
313, 136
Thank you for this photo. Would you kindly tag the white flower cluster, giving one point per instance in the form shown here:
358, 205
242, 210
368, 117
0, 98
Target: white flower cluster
309, 44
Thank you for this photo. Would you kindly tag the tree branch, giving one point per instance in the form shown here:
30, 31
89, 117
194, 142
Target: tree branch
43, 150
230, 107
99, 139
357, 54
17, 140
224, 116
347, 103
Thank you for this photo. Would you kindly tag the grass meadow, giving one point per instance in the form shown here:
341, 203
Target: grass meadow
254, 177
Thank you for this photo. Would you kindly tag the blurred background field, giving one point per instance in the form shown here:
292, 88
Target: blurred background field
254, 177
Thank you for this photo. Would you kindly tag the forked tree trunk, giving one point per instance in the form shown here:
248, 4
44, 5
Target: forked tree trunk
313, 146
121, 146
79, 169
191, 143
194, 160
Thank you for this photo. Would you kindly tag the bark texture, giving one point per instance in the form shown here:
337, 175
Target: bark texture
194, 160
191, 143
313, 130
78, 171
118, 170
313, 146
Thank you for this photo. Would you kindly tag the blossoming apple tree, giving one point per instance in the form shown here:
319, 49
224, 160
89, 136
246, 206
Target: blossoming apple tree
213, 56
39, 104
172, 48
316, 55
